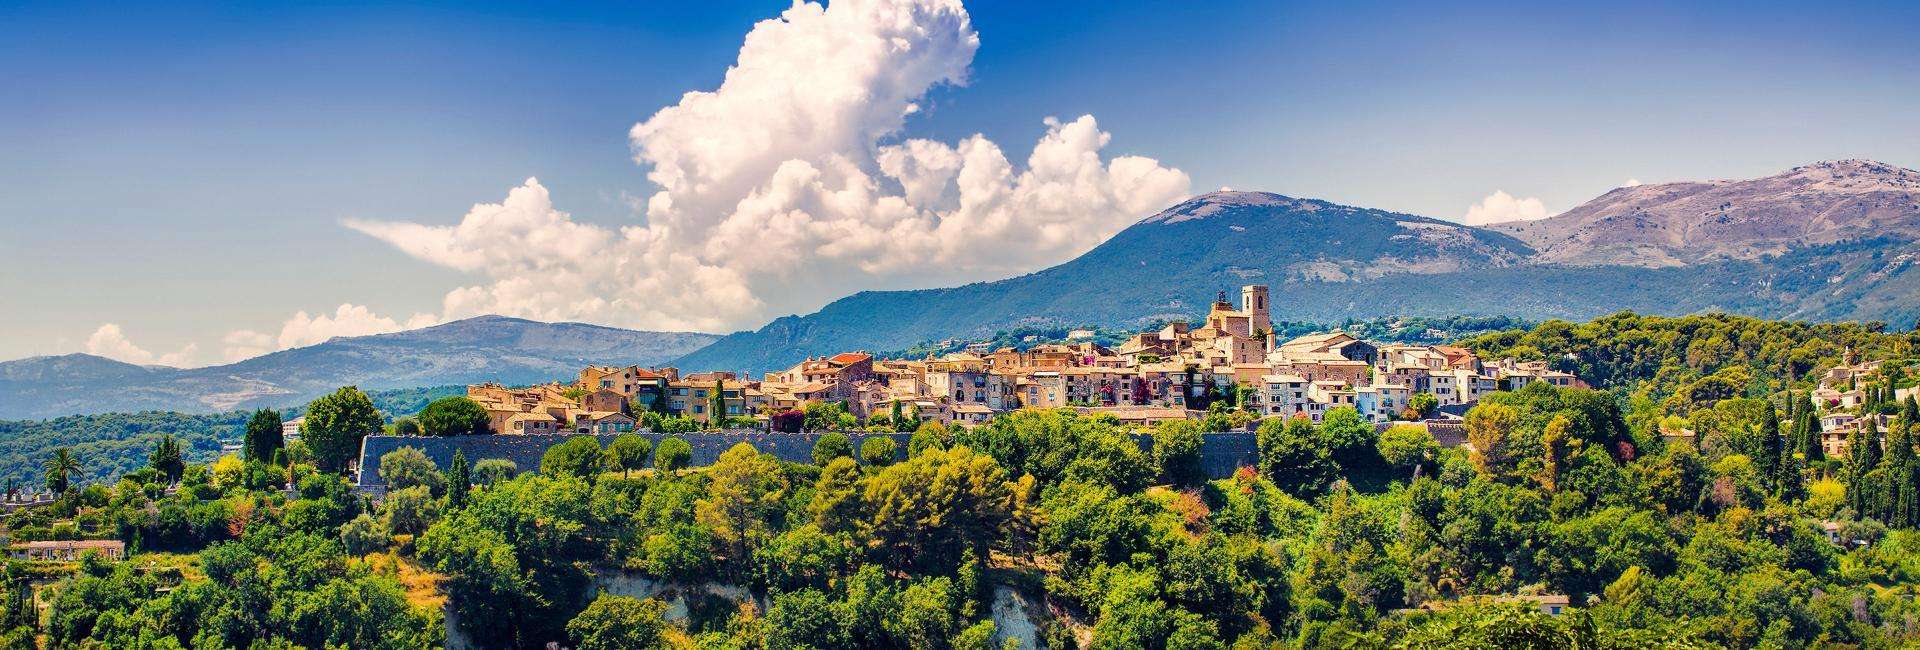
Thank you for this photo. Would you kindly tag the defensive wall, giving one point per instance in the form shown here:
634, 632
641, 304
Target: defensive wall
1221, 453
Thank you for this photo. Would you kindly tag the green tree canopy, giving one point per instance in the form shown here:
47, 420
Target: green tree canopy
1295, 456
878, 451
830, 446
579, 457
409, 467
263, 436
619, 623
628, 452
454, 416
672, 455
335, 424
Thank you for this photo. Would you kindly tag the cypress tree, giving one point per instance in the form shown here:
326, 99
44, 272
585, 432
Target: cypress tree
1772, 465
263, 436
1863, 455
20, 610
1873, 450
459, 480
1810, 438
1904, 469
166, 458
1793, 485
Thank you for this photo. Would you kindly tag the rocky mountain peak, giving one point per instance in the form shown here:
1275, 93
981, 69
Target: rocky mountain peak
1212, 203
1673, 224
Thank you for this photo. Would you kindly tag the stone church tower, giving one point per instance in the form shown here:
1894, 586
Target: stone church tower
1253, 301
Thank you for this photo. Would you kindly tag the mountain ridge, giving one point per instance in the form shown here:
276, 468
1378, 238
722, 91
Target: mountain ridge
1327, 262
1674, 224
483, 348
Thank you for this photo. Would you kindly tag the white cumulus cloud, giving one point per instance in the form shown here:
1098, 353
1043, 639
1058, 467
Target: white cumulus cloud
1501, 207
1631, 182
303, 329
110, 342
790, 185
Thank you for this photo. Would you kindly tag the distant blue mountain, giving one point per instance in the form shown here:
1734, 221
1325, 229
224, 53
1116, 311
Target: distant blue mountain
1326, 263
487, 348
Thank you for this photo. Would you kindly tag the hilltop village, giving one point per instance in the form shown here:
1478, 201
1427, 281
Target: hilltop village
1175, 372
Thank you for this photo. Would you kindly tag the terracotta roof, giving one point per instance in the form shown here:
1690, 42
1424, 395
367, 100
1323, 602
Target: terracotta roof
849, 358
812, 387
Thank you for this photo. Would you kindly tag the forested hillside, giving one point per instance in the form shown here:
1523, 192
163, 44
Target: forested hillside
1048, 528
110, 445
1655, 357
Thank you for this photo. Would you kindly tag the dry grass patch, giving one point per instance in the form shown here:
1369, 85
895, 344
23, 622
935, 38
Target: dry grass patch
422, 586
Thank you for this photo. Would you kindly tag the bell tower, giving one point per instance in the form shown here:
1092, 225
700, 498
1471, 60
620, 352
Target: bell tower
1253, 301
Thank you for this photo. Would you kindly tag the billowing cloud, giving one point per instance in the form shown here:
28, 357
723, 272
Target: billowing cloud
110, 342
1631, 182
303, 330
246, 344
790, 185
1501, 207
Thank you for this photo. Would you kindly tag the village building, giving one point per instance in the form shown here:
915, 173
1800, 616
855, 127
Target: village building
66, 550
1173, 371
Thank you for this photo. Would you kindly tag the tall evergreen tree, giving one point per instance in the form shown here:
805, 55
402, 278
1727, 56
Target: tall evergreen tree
1769, 458
1871, 453
263, 436
166, 459
1864, 478
1810, 445
459, 480
20, 611
717, 411
1902, 470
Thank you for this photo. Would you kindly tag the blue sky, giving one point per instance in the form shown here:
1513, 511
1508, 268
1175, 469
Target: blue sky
183, 171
